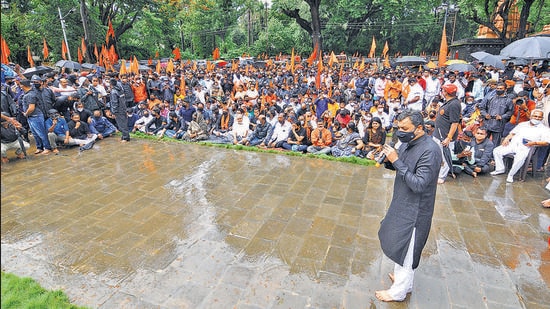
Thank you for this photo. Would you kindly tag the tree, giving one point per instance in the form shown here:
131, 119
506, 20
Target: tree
312, 27
492, 10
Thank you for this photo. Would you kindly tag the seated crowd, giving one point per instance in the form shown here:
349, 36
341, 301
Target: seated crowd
339, 113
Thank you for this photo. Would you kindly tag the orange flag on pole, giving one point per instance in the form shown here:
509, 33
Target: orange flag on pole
122, 70
110, 32
83, 47
313, 55
5, 51
158, 67
135, 66
292, 60
45, 50
385, 50
96, 53
182, 85
150, 61
63, 50
79, 55
216, 54
177, 53
170, 66
319, 70
157, 54
372, 48
113, 55
443, 49
387, 61
29, 56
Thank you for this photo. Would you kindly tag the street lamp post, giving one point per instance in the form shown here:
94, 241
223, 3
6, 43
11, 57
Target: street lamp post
448, 8
62, 19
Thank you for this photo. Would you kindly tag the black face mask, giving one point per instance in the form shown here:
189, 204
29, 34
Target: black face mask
200, 109
404, 136
500, 92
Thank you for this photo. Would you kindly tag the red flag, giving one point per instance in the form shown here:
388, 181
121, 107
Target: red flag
150, 61
64, 50
313, 55
45, 50
79, 55
29, 56
456, 54
157, 54
177, 53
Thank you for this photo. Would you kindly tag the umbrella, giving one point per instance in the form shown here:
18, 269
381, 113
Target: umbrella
455, 61
7, 71
461, 67
140, 67
68, 64
410, 60
489, 59
39, 70
518, 61
535, 47
91, 66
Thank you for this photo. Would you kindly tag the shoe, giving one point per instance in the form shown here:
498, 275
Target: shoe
38, 151
494, 173
510, 179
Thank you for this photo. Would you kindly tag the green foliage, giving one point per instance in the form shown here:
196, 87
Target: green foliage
26, 293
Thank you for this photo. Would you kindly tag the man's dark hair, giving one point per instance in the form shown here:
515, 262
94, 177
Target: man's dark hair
483, 128
415, 117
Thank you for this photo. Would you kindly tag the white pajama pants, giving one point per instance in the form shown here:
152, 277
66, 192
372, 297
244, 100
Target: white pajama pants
520, 155
403, 275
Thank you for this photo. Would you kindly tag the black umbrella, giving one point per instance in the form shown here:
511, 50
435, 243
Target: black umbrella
461, 67
68, 64
410, 60
91, 66
489, 59
39, 70
535, 47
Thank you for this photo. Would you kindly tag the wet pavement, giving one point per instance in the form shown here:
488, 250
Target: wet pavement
163, 225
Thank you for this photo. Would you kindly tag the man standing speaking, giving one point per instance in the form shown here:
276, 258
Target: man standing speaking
404, 231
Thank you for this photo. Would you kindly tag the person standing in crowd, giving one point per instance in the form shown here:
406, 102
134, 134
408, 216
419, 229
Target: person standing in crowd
405, 228
31, 103
446, 127
118, 109
497, 111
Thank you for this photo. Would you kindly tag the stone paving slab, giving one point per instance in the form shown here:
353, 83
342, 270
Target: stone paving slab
163, 225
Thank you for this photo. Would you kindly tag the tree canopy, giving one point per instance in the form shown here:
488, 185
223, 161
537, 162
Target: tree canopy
255, 27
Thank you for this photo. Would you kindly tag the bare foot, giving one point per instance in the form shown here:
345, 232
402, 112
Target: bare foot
474, 174
546, 203
392, 278
384, 296
441, 181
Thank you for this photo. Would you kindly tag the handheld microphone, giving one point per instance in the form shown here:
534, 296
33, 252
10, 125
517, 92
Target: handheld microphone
382, 157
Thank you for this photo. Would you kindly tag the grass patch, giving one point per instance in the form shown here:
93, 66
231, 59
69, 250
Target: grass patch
352, 159
26, 293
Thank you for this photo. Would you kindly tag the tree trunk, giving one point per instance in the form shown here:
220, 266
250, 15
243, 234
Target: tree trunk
315, 23
525, 10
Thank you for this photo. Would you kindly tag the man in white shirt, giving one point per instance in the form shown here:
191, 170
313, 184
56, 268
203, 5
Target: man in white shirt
415, 97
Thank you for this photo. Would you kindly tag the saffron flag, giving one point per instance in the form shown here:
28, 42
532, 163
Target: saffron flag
134, 68
79, 55
157, 54
29, 56
313, 55
5, 51
45, 50
170, 67
158, 67
319, 70
332, 59
150, 62
387, 61
177, 53
96, 53
292, 61
113, 55
372, 48
216, 54
83, 47
64, 50
110, 32
182, 85
443, 49
122, 70
385, 50
362, 65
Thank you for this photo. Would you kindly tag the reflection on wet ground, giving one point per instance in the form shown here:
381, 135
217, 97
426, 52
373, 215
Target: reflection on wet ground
149, 224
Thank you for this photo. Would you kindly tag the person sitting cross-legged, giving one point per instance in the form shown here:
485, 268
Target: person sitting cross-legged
482, 149
321, 139
79, 133
101, 126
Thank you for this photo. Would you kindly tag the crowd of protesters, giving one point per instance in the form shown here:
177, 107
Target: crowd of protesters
341, 111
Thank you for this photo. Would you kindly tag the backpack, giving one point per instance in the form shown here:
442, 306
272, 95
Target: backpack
8, 104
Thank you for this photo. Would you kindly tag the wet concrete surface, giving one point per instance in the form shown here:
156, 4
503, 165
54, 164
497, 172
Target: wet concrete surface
162, 225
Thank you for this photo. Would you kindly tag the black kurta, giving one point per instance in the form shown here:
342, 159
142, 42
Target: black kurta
412, 205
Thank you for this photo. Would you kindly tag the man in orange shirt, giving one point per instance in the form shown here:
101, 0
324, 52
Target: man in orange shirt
153, 101
321, 139
140, 90
522, 107
393, 89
